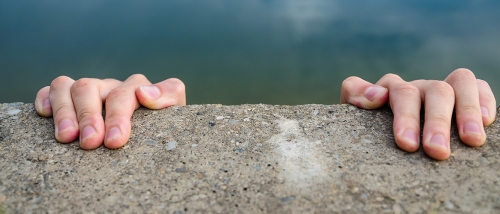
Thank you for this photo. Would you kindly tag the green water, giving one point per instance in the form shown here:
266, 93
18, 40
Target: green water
252, 51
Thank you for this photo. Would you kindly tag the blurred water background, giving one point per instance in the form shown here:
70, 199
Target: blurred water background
252, 51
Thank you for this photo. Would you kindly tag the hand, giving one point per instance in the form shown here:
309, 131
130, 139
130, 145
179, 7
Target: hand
77, 106
472, 99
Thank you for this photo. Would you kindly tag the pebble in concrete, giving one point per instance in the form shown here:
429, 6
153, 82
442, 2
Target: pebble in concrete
171, 145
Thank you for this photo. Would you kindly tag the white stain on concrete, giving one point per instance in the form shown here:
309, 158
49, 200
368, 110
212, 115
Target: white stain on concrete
301, 162
13, 111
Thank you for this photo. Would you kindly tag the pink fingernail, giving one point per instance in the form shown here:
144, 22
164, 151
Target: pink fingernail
151, 91
485, 111
374, 91
472, 128
439, 140
87, 132
64, 125
46, 103
411, 136
113, 133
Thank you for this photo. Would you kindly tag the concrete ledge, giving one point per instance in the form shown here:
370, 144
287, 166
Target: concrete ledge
247, 158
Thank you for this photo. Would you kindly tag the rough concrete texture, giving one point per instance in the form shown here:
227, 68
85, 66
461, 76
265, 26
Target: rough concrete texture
242, 159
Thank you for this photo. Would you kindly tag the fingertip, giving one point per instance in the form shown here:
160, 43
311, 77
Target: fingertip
437, 147
408, 141
437, 153
90, 145
146, 97
376, 97
115, 144
66, 131
375, 91
150, 97
473, 140
487, 102
174, 89
46, 109
150, 92
363, 94
90, 137
472, 133
487, 116
42, 102
116, 138
163, 94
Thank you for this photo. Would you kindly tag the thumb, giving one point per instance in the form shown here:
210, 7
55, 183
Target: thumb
163, 94
363, 94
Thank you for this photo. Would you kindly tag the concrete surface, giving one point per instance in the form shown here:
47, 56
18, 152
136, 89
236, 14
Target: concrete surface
242, 159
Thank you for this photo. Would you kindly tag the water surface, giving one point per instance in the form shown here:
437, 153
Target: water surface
253, 51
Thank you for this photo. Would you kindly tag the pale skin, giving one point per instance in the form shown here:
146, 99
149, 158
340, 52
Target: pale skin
77, 107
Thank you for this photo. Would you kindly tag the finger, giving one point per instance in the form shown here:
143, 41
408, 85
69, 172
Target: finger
120, 105
163, 94
363, 94
439, 99
405, 102
86, 97
487, 102
106, 86
42, 102
467, 107
65, 121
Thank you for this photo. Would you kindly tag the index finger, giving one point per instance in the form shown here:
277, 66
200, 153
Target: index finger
120, 105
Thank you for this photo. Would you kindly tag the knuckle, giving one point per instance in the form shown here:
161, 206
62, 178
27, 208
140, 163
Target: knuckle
113, 117
43, 92
407, 89
442, 86
109, 79
86, 115
462, 74
61, 80
485, 92
118, 92
483, 83
137, 77
62, 108
82, 86
177, 85
347, 82
419, 81
391, 76
441, 120
82, 83
469, 108
413, 118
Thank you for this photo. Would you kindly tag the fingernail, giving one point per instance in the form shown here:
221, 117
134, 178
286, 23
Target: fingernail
411, 136
46, 103
472, 128
485, 111
374, 91
113, 133
151, 91
87, 132
439, 140
64, 125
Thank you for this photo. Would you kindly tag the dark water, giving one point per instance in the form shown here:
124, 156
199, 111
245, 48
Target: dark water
252, 51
